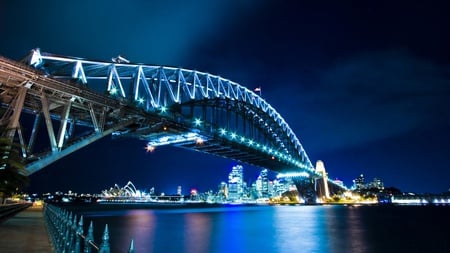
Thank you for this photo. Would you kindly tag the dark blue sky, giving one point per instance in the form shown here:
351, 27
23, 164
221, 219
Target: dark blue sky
363, 84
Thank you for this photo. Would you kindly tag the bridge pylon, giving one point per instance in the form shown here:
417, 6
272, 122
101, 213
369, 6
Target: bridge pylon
322, 187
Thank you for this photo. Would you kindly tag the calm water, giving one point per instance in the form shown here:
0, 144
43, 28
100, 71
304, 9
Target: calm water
282, 229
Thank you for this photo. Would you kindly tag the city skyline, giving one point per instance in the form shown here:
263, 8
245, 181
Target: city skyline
364, 86
236, 183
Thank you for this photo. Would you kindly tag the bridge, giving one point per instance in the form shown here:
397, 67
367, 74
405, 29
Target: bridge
86, 100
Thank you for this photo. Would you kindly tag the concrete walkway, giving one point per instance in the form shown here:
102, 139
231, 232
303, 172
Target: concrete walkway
25, 232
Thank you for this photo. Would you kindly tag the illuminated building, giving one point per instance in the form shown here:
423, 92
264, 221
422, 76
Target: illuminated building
359, 183
223, 192
262, 184
236, 183
179, 190
376, 184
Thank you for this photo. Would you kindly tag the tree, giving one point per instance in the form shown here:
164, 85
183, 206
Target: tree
13, 176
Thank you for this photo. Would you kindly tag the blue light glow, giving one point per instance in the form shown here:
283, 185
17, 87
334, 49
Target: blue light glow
113, 91
197, 122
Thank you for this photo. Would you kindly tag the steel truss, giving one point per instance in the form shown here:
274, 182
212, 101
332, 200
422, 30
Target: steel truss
143, 101
58, 104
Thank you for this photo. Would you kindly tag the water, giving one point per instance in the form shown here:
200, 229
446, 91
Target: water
280, 229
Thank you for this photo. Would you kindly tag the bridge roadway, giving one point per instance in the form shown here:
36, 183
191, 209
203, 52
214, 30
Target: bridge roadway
25, 232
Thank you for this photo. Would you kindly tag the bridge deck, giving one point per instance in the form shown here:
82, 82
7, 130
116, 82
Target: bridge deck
25, 232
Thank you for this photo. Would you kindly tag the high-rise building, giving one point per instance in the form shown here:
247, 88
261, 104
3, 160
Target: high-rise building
236, 183
359, 183
376, 184
264, 183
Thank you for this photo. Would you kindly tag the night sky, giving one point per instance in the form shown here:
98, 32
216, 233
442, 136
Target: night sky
365, 85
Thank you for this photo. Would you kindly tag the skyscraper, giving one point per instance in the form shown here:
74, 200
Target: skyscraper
236, 183
263, 176
359, 183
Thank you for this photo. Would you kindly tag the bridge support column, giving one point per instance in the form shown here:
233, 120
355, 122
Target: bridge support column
13, 114
306, 189
44, 161
11, 119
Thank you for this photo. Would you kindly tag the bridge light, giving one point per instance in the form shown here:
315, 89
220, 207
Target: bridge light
113, 91
264, 148
199, 141
222, 131
270, 150
233, 135
250, 142
197, 122
140, 100
149, 148
163, 109
242, 139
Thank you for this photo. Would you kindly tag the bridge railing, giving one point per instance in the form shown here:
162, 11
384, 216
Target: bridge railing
67, 233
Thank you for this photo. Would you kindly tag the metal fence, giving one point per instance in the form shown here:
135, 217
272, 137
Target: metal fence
67, 233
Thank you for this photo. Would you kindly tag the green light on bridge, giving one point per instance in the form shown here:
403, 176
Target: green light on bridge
273, 152
222, 131
197, 122
113, 91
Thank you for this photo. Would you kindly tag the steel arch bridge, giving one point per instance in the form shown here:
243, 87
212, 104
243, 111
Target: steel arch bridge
87, 100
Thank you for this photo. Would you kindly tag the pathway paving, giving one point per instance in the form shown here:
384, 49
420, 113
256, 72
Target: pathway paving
25, 232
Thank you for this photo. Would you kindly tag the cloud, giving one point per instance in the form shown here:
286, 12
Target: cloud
371, 97
160, 32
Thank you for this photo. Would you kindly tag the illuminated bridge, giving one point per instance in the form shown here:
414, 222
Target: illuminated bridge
76, 102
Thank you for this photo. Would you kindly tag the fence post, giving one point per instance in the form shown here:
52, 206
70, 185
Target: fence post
89, 237
66, 233
104, 246
78, 235
131, 249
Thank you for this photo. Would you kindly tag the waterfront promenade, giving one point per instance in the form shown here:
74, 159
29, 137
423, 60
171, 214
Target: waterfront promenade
25, 232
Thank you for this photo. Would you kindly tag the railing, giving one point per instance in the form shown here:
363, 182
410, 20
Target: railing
9, 210
67, 234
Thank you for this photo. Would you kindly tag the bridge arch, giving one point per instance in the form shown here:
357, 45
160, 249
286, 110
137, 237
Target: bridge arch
206, 107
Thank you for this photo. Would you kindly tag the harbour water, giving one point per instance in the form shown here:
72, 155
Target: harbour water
277, 229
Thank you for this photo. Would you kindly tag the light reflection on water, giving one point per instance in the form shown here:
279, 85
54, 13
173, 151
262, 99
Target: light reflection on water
262, 229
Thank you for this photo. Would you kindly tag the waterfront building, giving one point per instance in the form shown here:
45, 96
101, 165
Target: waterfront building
282, 185
236, 183
376, 184
264, 183
359, 183
222, 193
